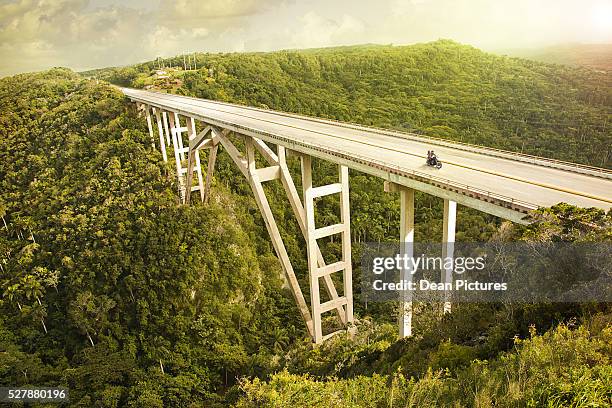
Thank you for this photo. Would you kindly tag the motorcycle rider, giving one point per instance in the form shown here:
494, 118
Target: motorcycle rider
432, 159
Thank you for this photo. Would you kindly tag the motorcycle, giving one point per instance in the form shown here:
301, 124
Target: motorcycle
434, 162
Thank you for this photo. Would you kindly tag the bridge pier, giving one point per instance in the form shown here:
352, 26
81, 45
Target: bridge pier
255, 177
185, 174
193, 164
406, 248
316, 266
298, 211
212, 158
167, 132
178, 132
147, 110
160, 130
168, 124
177, 156
448, 247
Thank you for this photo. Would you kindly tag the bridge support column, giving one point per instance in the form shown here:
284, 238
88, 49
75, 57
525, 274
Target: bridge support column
345, 219
406, 249
448, 246
298, 211
255, 176
174, 129
212, 158
160, 130
313, 234
165, 120
193, 164
178, 132
147, 110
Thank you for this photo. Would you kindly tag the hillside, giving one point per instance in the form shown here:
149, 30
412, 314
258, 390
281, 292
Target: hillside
106, 285
442, 89
528, 376
594, 56
109, 287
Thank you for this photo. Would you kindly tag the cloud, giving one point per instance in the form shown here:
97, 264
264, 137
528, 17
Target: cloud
37, 34
194, 13
210, 8
318, 31
64, 22
165, 41
82, 34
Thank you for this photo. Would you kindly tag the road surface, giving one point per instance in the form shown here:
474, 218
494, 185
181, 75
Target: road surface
510, 180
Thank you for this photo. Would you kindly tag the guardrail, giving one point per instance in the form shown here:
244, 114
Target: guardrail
504, 154
440, 182
491, 151
444, 183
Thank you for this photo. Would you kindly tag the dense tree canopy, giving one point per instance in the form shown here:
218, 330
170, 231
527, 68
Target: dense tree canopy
107, 285
442, 89
111, 288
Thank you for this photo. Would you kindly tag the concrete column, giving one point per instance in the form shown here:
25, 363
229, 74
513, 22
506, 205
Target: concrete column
345, 214
179, 135
150, 125
212, 157
448, 246
406, 248
250, 154
191, 131
177, 159
189, 175
165, 120
161, 134
311, 248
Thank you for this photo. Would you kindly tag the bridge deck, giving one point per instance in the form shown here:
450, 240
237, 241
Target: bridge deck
497, 182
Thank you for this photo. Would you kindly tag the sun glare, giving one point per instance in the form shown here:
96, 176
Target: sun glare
601, 17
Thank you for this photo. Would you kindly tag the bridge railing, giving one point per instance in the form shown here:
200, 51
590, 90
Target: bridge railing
465, 189
440, 182
491, 151
523, 157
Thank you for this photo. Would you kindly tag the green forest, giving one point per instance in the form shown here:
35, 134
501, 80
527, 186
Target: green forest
111, 288
440, 89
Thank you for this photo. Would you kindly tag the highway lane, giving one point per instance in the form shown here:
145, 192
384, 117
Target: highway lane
531, 183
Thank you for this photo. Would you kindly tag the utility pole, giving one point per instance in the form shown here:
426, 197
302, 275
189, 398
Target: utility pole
195, 61
184, 63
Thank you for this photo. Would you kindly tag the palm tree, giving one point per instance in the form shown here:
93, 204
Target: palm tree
280, 339
32, 288
13, 293
2, 214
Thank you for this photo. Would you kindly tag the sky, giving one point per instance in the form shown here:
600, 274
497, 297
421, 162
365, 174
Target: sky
85, 34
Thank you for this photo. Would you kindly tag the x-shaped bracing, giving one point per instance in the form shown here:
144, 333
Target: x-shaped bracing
168, 124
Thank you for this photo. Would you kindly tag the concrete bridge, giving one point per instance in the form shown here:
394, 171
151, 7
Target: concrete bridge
505, 184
